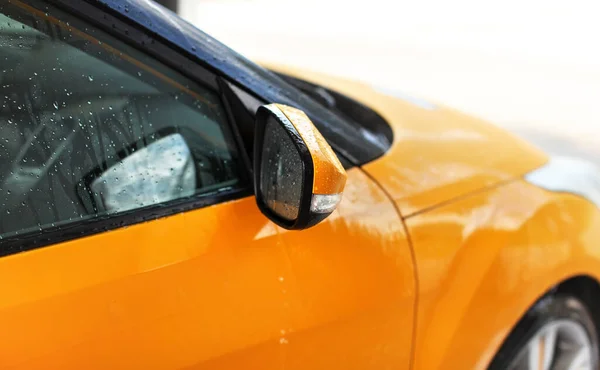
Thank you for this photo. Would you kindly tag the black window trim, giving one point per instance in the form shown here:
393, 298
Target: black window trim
229, 66
156, 50
150, 44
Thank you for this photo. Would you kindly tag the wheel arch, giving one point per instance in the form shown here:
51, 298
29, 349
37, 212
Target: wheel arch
483, 261
583, 287
587, 289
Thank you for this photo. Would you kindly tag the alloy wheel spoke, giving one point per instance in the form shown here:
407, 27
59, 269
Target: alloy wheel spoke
542, 349
580, 360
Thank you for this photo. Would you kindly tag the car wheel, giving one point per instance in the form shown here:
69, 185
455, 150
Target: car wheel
558, 333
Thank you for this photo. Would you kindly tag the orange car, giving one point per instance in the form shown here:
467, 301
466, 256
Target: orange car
167, 204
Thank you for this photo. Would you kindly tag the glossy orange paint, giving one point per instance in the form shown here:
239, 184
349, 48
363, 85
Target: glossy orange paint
218, 288
224, 288
438, 154
483, 260
487, 244
329, 174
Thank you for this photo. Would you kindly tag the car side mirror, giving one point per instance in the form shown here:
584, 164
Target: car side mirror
298, 179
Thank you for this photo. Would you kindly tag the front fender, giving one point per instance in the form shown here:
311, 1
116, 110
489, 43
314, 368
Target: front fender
483, 260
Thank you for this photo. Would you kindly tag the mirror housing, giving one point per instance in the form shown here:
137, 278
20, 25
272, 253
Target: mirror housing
298, 179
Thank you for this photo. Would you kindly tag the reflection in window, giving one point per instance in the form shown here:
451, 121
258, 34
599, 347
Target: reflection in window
159, 172
82, 130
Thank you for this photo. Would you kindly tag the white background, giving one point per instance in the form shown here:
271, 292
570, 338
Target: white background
514, 62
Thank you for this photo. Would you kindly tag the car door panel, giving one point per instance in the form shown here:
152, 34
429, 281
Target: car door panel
353, 285
162, 294
218, 287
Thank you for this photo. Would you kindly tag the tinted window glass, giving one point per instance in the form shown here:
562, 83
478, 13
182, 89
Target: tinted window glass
92, 128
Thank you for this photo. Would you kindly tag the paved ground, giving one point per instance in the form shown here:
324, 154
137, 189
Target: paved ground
529, 64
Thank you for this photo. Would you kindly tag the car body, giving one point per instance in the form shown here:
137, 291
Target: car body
449, 230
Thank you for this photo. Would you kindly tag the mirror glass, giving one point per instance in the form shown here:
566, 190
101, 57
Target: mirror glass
281, 172
161, 171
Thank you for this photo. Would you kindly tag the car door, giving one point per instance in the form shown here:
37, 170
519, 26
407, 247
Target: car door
130, 239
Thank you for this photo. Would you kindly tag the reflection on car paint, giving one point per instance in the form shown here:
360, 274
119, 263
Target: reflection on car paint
571, 175
355, 297
449, 156
288, 297
344, 294
482, 260
437, 155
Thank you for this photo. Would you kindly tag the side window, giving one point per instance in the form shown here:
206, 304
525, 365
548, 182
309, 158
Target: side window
92, 128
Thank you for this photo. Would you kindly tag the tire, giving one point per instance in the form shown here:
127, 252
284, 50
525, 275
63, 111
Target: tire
556, 333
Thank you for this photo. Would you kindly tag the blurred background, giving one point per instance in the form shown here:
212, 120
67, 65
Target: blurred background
518, 63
